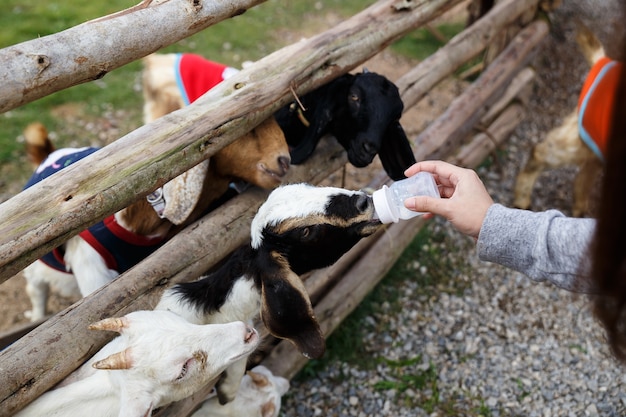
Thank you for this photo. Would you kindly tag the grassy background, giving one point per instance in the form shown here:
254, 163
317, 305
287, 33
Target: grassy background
246, 37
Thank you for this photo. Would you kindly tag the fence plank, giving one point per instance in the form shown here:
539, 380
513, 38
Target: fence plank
460, 49
446, 134
42, 66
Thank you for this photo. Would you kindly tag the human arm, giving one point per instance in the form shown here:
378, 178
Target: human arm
543, 246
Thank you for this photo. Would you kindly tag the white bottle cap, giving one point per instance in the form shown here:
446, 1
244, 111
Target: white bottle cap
386, 212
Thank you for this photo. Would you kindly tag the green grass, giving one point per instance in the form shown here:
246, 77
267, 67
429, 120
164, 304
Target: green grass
422, 43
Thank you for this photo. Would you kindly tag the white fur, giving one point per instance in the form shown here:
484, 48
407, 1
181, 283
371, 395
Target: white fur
302, 200
259, 395
171, 359
89, 272
242, 304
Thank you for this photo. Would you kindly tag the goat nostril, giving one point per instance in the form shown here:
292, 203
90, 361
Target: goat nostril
363, 203
369, 147
283, 162
250, 332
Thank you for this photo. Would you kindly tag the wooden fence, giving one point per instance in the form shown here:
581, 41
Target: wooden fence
151, 155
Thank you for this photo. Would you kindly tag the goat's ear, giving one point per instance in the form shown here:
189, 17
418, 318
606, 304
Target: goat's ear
395, 152
287, 312
182, 193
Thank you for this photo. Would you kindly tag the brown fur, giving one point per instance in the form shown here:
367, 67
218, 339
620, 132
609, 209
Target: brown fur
38, 144
260, 157
561, 147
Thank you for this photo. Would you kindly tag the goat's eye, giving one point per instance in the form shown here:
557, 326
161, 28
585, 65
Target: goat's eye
305, 232
353, 97
183, 371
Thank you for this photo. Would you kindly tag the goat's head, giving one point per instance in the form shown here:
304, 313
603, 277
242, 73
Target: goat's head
362, 111
375, 105
164, 358
260, 157
300, 228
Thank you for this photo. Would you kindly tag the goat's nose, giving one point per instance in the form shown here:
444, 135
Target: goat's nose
363, 203
250, 332
369, 147
283, 162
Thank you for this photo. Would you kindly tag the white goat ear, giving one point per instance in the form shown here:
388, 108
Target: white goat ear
287, 312
258, 379
183, 193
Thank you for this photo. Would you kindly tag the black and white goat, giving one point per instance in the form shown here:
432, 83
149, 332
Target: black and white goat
157, 359
362, 111
299, 228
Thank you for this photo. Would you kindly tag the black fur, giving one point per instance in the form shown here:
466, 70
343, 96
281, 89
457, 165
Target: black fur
362, 112
209, 293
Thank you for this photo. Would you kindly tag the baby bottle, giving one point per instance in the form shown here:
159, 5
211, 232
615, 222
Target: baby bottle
389, 201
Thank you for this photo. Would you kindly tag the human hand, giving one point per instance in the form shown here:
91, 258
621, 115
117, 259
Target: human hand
464, 199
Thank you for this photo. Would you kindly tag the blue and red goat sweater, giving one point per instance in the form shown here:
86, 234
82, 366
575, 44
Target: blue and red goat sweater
120, 248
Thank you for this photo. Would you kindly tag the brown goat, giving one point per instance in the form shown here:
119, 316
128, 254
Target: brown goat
261, 157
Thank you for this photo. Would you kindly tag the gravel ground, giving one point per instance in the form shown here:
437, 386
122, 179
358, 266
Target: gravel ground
486, 341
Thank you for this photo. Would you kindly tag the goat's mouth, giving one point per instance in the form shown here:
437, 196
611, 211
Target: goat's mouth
360, 159
273, 176
369, 227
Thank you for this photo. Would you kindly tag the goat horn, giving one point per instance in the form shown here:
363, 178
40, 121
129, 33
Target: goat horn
114, 324
119, 360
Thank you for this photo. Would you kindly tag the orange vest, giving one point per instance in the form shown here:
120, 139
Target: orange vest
595, 104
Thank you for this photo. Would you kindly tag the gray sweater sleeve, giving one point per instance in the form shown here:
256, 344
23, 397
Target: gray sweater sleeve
545, 246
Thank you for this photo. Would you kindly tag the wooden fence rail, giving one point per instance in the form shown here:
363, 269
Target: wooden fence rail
38, 360
42, 66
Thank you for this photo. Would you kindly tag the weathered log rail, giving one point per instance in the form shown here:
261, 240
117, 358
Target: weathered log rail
36, 68
38, 360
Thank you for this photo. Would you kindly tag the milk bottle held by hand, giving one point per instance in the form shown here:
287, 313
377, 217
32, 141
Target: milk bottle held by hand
389, 201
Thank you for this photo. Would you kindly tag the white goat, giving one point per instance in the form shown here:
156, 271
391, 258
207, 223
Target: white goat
157, 359
260, 395
299, 228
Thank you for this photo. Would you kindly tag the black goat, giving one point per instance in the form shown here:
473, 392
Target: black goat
362, 111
